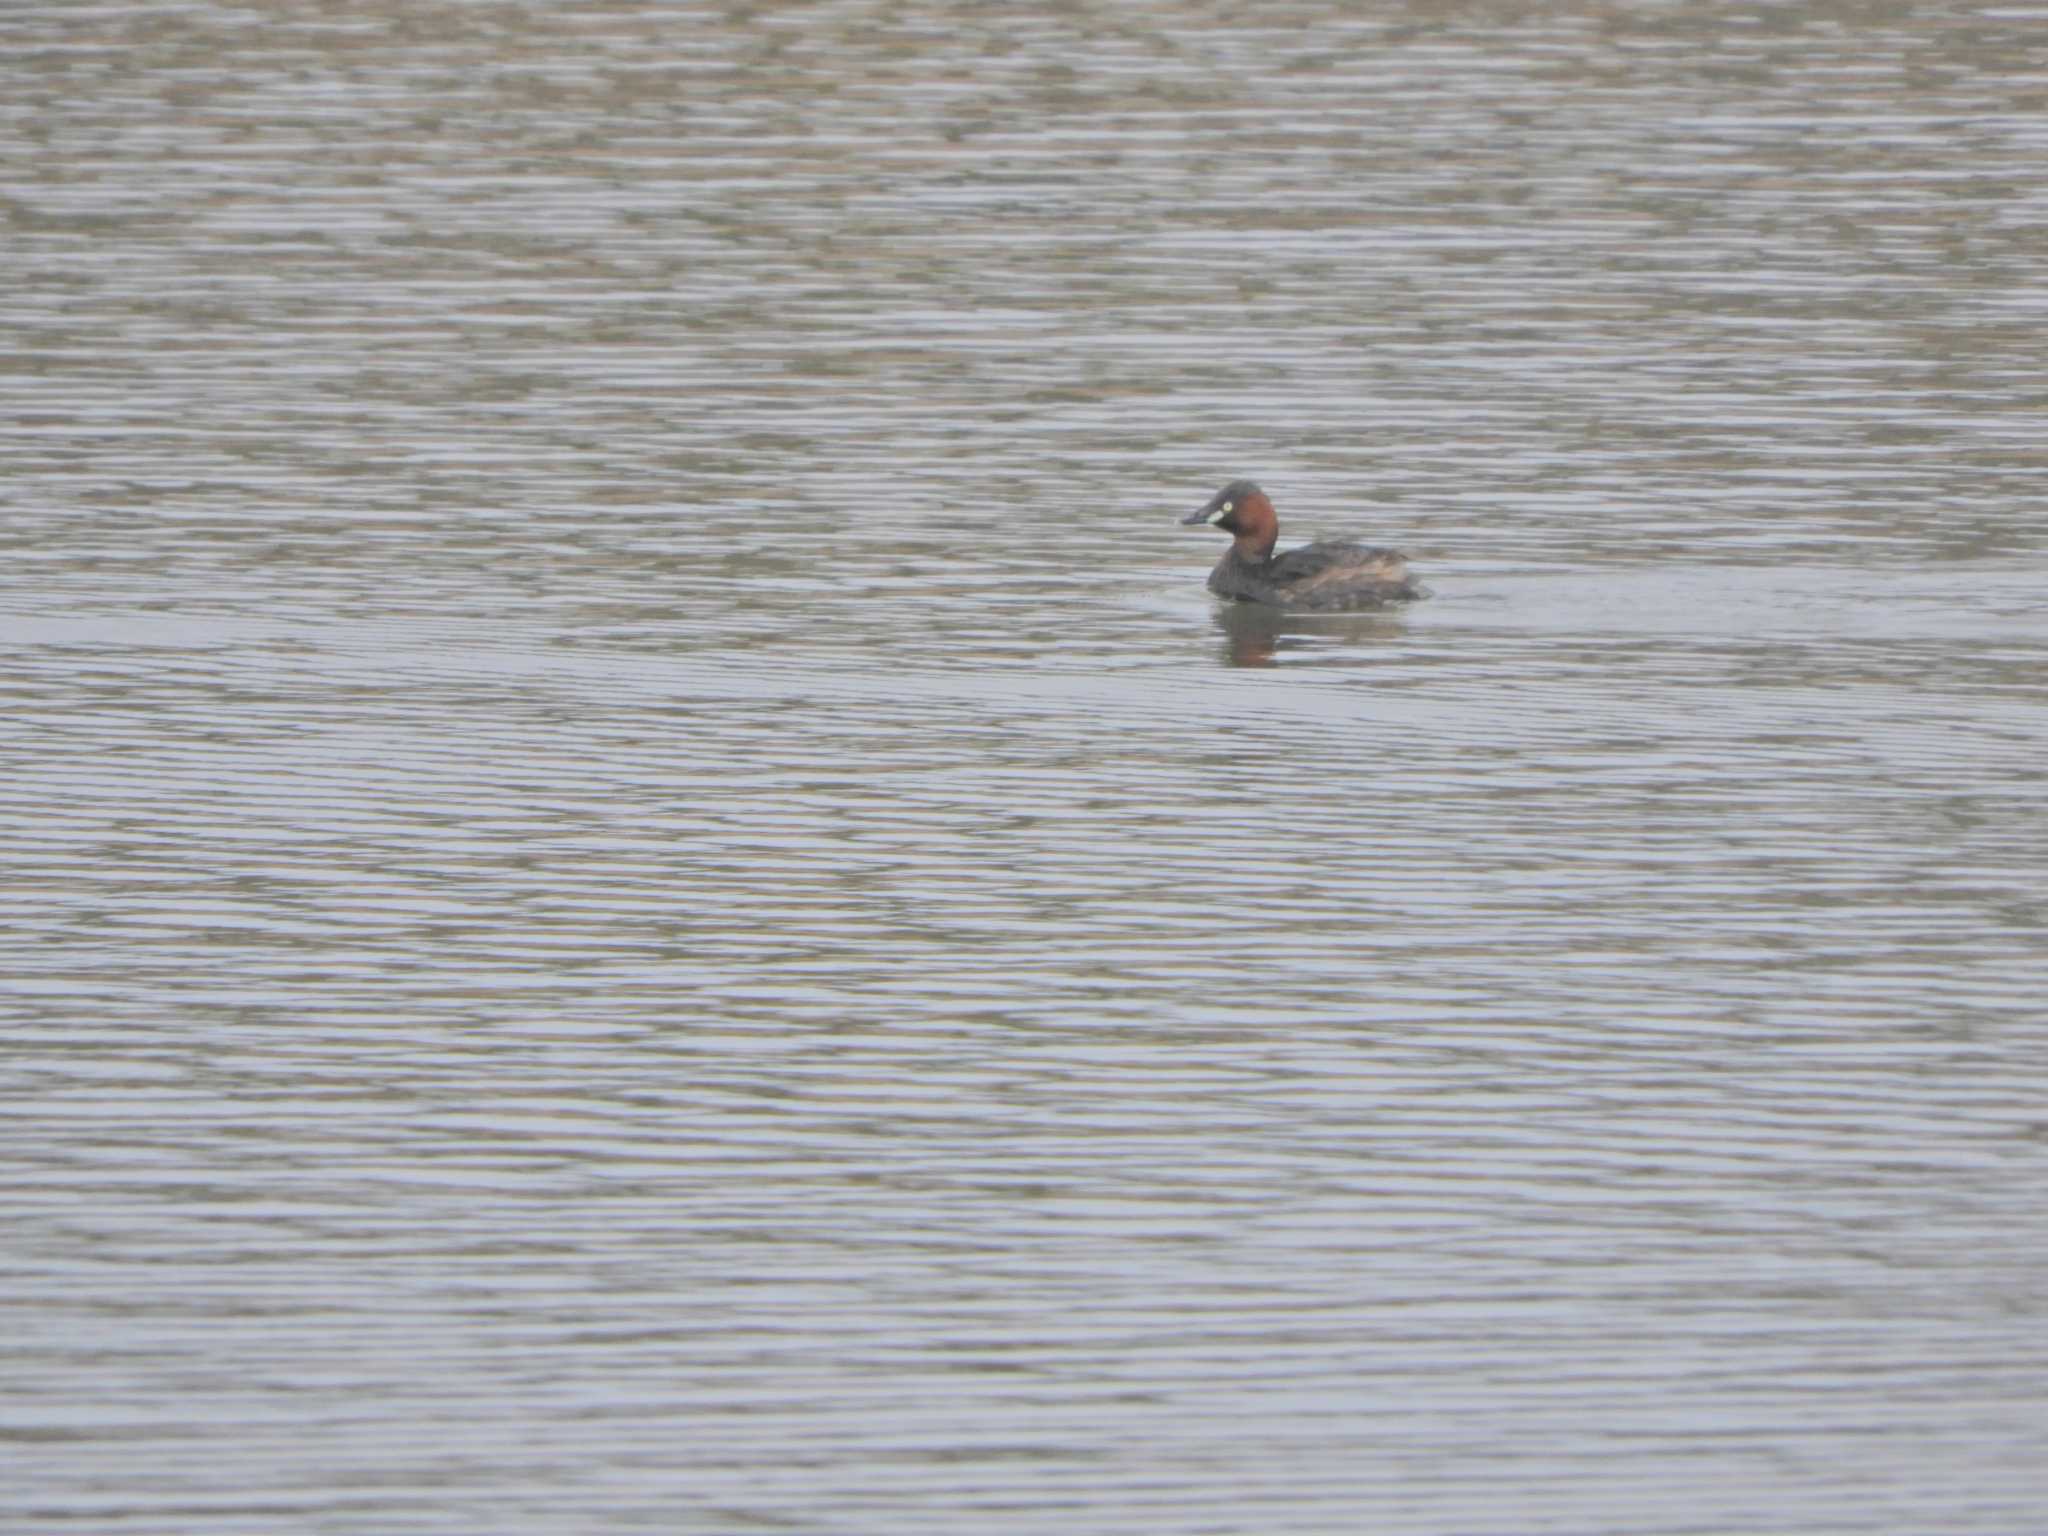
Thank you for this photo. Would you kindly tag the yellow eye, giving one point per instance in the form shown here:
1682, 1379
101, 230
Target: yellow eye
1228, 508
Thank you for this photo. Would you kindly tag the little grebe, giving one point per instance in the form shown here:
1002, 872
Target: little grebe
1330, 576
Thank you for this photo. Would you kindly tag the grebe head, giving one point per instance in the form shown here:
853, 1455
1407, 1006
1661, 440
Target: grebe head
1242, 510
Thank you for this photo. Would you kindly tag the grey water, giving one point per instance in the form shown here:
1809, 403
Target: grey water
640, 891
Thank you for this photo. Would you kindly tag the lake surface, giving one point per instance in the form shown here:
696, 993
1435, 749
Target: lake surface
641, 891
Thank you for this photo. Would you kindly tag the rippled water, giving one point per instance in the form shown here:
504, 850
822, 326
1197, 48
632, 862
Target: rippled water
643, 893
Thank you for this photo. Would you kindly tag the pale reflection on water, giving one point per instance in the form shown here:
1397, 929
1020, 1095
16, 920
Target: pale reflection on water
644, 893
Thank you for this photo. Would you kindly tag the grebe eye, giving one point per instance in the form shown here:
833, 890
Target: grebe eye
1228, 508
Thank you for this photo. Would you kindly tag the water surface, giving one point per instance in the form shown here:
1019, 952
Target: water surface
642, 892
